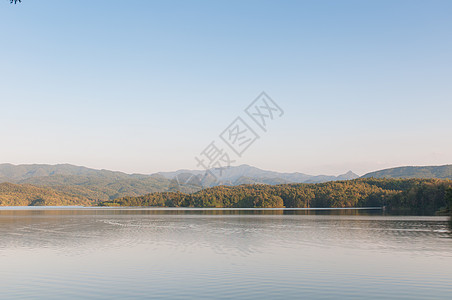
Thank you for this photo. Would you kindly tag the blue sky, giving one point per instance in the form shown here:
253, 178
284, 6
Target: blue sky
145, 86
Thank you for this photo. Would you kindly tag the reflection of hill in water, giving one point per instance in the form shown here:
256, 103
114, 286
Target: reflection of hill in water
223, 231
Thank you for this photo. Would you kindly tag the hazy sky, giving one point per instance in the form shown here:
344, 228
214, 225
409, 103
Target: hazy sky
145, 86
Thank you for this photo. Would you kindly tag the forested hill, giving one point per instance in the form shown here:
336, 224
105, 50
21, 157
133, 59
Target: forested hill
95, 185
440, 172
72, 185
28, 195
105, 184
413, 194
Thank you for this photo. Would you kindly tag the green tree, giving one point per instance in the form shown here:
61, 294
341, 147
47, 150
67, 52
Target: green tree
449, 199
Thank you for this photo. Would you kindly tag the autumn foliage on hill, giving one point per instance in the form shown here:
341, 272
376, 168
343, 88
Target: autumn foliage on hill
419, 194
28, 195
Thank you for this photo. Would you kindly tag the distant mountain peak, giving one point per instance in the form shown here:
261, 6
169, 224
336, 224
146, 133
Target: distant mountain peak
348, 176
244, 173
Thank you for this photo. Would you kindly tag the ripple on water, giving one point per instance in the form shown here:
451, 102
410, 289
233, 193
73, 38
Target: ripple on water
178, 256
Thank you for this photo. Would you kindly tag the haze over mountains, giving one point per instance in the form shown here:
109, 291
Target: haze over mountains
105, 184
39, 183
245, 174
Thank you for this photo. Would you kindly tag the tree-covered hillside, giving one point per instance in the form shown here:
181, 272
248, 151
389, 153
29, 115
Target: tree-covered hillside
17, 173
416, 194
95, 185
98, 188
72, 185
439, 172
28, 195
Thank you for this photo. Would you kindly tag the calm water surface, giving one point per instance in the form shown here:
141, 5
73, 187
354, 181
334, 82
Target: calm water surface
203, 254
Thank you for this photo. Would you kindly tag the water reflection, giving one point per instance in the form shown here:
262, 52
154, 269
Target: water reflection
77, 227
134, 253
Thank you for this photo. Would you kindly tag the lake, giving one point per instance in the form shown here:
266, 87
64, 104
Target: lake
92, 253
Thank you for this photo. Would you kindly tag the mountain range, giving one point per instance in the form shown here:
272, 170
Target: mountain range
40, 183
245, 174
92, 184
